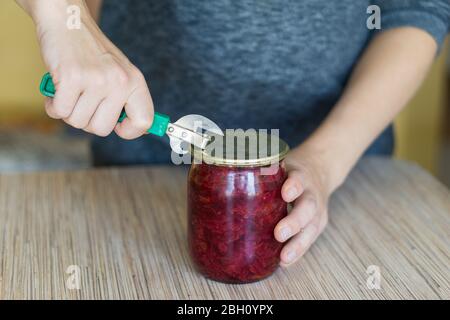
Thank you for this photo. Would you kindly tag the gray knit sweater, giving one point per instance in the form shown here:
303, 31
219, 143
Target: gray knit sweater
250, 63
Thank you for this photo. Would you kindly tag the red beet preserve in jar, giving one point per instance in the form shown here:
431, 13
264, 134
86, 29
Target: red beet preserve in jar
234, 204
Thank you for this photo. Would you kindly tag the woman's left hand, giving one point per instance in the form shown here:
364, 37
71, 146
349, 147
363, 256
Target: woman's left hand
307, 189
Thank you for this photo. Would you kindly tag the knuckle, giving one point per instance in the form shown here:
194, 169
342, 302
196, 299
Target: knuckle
88, 129
120, 76
97, 79
143, 124
70, 76
56, 75
296, 178
74, 123
50, 110
148, 121
78, 125
297, 224
127, 136
137, 75
310, 202
304, 213
52, 114
101, 131
62, 111
294, 174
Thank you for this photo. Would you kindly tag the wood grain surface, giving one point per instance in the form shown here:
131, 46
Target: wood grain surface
125, 231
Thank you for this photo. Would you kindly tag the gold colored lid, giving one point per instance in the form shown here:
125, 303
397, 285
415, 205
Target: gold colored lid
240, 148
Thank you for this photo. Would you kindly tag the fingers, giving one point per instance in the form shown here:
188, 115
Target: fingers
302, 213
105, 118
48, 103
305, 221
67, 93
300, 243
92, 99
292, 187
139, 109
84, 110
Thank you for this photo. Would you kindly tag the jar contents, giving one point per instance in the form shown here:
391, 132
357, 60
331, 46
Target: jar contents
232, 215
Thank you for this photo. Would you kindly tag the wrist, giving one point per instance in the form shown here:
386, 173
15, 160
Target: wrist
328, 161
53, 15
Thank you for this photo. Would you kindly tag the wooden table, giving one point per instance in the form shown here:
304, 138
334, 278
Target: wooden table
123, 231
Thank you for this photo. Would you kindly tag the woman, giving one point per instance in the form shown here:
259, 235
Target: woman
311, 68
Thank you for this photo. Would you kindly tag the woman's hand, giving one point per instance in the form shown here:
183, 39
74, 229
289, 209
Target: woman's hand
94, 81
321, 164
308, 190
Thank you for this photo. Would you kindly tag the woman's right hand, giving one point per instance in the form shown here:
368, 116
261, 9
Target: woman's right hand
93, 79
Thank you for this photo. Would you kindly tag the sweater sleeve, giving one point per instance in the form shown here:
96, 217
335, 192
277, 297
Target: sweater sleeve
432, 16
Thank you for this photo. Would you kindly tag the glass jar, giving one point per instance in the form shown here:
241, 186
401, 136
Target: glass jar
233, 207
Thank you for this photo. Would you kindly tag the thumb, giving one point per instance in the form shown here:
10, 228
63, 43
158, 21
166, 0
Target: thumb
139, 109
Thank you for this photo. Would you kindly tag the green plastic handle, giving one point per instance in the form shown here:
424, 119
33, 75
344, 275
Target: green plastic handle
160, 121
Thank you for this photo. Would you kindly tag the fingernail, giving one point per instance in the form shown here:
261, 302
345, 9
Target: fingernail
290, 256
292, 193
285, 233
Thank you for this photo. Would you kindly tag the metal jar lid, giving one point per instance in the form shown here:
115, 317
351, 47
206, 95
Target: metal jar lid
240, 148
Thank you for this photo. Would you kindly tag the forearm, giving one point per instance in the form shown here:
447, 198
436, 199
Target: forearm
53, 12
386, 77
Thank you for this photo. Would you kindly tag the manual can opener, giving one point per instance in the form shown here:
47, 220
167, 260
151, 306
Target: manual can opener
193, 128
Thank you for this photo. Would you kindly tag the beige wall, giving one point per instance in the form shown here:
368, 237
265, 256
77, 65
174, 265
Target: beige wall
418, 127
20, 63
